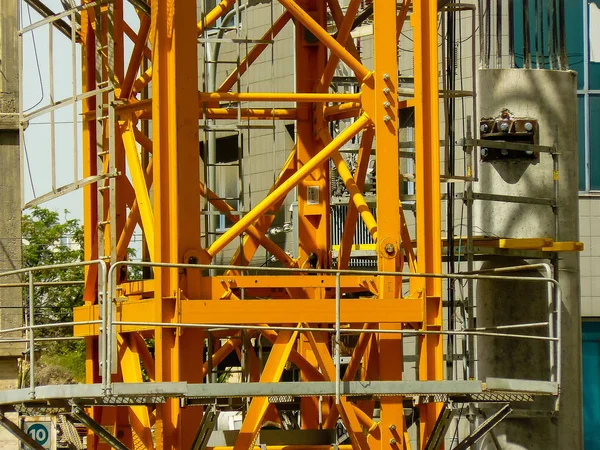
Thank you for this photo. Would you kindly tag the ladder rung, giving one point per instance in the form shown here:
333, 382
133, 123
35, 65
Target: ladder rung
223, 164
237, 127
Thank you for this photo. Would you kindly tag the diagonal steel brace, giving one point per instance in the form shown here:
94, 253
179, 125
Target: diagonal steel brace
484, 428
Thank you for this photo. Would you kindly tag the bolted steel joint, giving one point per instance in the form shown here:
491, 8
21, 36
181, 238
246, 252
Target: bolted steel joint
386, 76
392, 427
386, 90
528, 126
392, 441
389, 249
504, 126
386, 104
386, 118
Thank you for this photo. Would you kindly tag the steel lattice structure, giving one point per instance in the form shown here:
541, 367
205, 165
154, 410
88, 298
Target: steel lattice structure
162, 193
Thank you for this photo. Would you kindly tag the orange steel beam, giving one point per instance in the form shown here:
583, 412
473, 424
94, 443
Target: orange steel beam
338, 17
133, 36
322, 35
343, 111
427, 187
342, 37
288, 185
136, 57
388, 190
254, 53
176, 206
364, 155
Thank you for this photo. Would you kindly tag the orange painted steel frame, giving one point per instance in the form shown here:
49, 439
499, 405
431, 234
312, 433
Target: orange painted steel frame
170, 217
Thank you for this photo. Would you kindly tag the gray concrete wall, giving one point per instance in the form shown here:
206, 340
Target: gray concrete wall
10, 200
550, 97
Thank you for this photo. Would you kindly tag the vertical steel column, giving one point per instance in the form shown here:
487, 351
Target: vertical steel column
389, 255
176, 205
313, 191
427, 186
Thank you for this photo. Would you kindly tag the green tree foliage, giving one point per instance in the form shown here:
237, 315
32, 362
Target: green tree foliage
49, 241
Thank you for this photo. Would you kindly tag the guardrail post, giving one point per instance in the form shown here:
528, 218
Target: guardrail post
338, 370
31, 339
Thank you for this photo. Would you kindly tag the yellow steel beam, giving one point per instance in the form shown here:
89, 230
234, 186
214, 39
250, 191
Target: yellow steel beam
358, 200
267, 243
272, 372
247, 249
288, 185
213, 15
139, 184
132, 373
427, 187
364, 154
275, 97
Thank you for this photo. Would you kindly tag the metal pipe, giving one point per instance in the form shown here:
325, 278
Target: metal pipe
338, 370
329, 329
511, 33
31, 340
526, 42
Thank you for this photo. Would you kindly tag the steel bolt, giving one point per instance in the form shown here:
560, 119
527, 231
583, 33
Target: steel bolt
386, 118
389, 248
386, 104
386, 90
483, 127
392, 441
504, 126
386, 76
529, 152
392, 427
529, 126
484, 152
504, 152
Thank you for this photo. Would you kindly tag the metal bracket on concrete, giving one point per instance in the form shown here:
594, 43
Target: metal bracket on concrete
207, 426
484, 428
18, 433
98, 429
436, 440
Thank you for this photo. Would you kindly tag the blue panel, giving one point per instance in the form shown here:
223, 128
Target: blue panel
581, 141
595, 142
573, 29
591, 384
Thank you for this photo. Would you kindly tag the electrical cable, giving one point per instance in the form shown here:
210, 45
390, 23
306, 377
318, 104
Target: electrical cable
28, 167
37, 63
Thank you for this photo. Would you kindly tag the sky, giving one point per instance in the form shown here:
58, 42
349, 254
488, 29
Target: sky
41, 82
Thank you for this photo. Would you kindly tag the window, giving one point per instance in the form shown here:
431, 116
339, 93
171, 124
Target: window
582, 23
591, 384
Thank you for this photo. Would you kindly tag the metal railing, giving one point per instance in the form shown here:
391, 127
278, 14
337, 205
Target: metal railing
31, 326
107, 331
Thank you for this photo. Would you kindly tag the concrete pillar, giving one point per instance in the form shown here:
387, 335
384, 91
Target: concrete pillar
10, 200
550, 98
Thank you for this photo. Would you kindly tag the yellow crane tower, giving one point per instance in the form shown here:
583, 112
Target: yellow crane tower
162, 193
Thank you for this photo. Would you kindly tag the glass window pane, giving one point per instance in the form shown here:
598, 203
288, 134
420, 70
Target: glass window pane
591, 384
581, 141
595, 142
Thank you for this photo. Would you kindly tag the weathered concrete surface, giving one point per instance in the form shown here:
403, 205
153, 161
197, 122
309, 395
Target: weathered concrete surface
10, 201
550, 97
